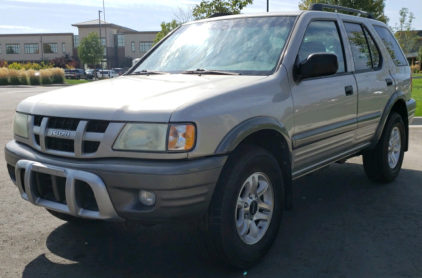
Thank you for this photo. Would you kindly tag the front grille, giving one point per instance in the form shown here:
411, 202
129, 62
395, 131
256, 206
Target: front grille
90, 147
66, 134
57, 144
97, 126
37, 139
63, 123
38, 120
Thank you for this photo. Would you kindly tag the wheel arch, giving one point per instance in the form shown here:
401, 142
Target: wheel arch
396, 103
268, 134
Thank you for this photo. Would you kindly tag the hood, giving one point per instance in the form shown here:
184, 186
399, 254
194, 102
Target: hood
131, 98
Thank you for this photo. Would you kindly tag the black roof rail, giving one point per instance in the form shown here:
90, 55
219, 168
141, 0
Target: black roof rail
219, 14
319, 7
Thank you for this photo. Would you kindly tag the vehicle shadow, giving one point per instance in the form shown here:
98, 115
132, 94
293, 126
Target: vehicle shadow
342, 226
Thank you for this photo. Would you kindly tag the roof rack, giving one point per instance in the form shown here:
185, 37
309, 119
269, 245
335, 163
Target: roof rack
219, 14
319, 7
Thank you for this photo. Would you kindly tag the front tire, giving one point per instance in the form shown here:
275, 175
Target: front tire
245, 213
383, 163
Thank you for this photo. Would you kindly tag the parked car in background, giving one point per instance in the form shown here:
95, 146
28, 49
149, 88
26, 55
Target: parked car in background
135, 61
119, 71
74, 74
107, 73
90, 74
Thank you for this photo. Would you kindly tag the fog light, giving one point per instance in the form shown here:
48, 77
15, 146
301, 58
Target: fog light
147, 198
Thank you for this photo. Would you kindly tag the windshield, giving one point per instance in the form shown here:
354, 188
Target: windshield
250, 46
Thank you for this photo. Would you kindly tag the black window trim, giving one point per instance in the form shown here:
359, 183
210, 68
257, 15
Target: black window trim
401, 50
336, 22
363, 26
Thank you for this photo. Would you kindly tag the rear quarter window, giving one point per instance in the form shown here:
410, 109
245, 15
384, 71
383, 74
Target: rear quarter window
392, 46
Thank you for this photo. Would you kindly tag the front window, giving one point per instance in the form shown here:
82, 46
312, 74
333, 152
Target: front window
249, 46
50, 48
13, 48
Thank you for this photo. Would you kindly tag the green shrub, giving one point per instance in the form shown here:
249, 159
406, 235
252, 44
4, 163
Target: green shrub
33, 79
14, 77
23, 76
58, 75
4, 76
45, 76
15, 66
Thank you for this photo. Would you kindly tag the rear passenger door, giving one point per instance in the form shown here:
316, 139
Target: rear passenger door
324, 107
375, 84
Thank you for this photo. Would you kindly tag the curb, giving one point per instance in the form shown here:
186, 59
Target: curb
35, 86
416, 121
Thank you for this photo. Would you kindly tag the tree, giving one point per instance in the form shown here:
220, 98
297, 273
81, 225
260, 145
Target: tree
183, 14
90, 50
207, 8
165, 29
375, 7
404, 33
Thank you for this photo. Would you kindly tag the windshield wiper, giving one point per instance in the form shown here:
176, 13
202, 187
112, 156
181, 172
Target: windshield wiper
148, 72
205, 71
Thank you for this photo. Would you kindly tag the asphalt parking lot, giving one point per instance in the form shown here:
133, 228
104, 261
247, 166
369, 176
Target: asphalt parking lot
342, 226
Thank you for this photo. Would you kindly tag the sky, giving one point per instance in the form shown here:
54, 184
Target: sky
56, 16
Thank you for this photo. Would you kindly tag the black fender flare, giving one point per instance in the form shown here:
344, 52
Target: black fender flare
397, 96
248, 127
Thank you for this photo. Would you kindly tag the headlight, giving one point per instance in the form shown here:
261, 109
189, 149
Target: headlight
20, 125
142, 137
156, 137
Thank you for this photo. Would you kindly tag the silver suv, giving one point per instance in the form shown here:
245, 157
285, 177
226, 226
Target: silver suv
213, 123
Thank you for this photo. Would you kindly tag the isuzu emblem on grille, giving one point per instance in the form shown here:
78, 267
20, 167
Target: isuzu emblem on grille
59, 133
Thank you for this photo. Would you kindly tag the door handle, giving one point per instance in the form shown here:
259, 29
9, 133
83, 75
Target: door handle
389, 81
349, 90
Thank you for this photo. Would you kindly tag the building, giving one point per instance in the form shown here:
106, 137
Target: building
35, 47
122, 44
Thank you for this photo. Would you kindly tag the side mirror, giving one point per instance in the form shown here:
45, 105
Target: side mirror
317, 64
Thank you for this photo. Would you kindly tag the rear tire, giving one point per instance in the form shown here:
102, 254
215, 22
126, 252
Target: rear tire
246, 210
383, 163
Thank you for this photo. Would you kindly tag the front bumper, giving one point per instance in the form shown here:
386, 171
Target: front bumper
183, 188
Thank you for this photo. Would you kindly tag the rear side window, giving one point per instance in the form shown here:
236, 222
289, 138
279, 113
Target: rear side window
322, 36
375, 54
360, 49
392, 46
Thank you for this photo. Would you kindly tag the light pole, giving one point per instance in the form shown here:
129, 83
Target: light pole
268, 6
105, 30
99, 24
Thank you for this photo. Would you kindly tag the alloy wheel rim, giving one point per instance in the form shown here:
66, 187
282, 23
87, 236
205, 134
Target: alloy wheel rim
394, 147
254, 209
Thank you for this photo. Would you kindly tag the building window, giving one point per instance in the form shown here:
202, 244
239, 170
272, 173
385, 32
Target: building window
63, 47
76, 40
13, 48
145, 46
120, 40
32, 48
103, 43
0, 48
133, 46
50, 48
